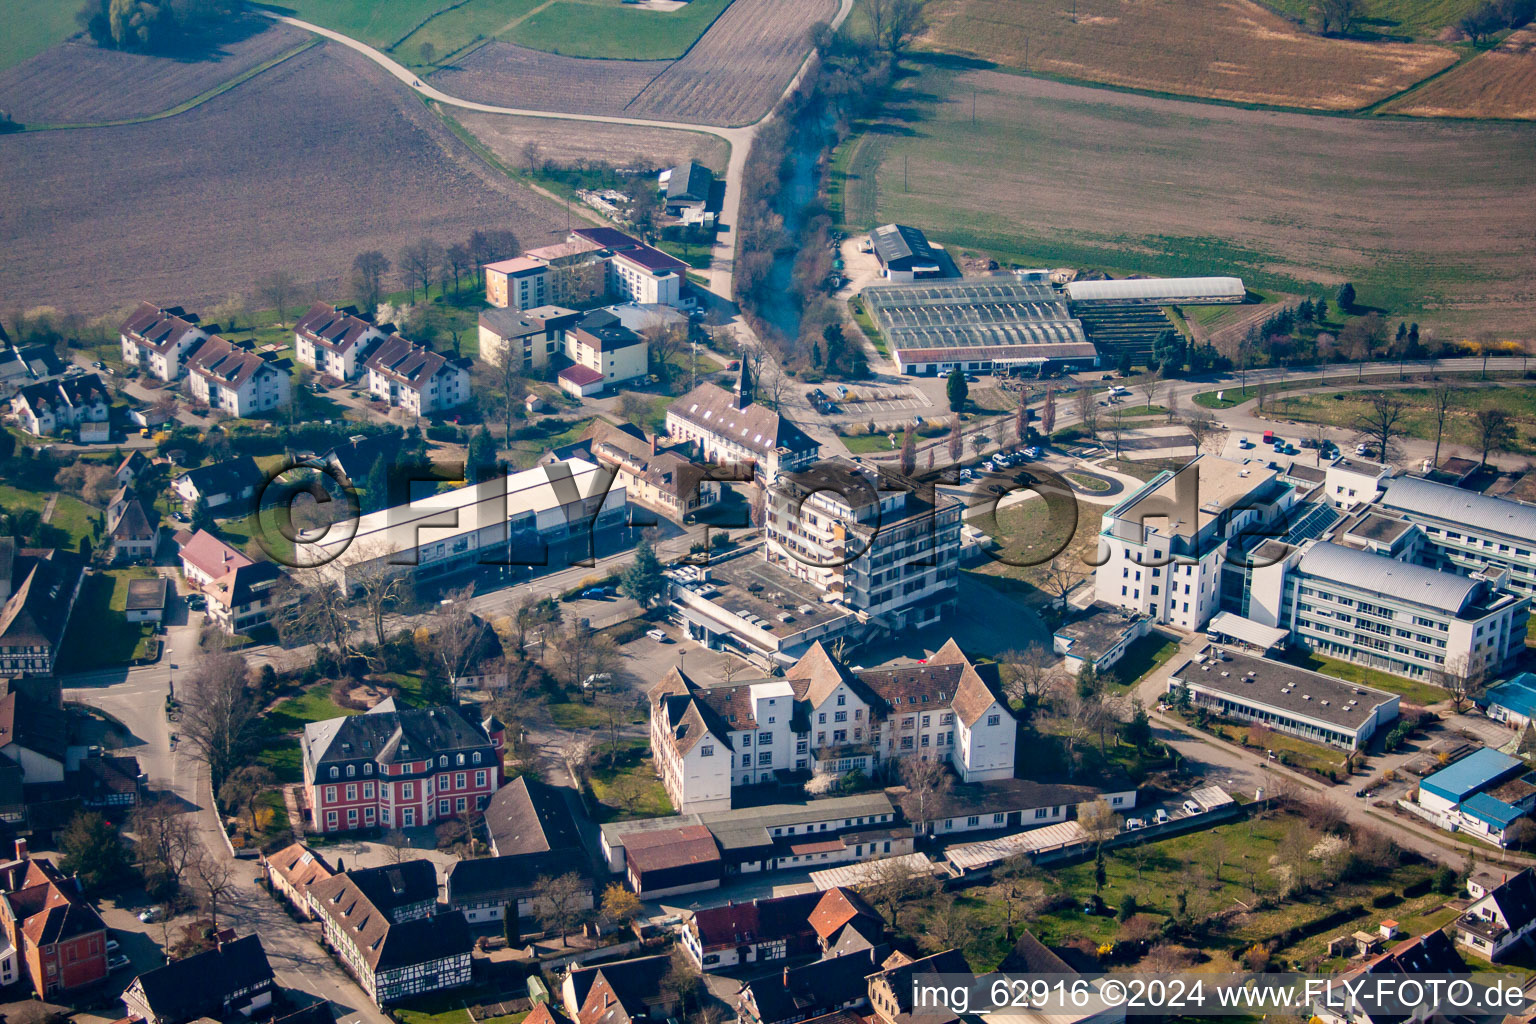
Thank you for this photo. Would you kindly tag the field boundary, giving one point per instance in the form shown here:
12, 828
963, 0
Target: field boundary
423, 23
183, 107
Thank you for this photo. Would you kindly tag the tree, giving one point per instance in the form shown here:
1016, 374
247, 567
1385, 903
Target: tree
642, 580
560, 898
1059, 578
893, 883
510, 929
368, 270
927, 783
956, 390
1138, 731
93, 849
166, 841
1048, 412
240, 791
1168, 353
583, 654
620, 905
277, 290
397, 846
419, 262
534, 615
1339, 16
1346, 293
219, 712
1381, 421
1461, 678
377, 585
427, 52
908, 454
531, 156
202, 516
1494, 431
459, 637
1027, 676
956, 440
481, 457
458, 260
1440, 398
490, 246
213, 879
1088, 414
682, 979
895, 23
1201, 427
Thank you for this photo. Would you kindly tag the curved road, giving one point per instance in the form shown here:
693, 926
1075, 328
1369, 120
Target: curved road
739, 139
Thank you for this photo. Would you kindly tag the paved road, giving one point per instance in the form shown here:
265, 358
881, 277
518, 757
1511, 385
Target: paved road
740, 139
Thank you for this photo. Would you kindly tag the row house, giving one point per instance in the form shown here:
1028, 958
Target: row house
292, 870
158, 341
59, 939
334, 342
827, 719
400, 768
233, 379
49, 408
415, 378
382, 925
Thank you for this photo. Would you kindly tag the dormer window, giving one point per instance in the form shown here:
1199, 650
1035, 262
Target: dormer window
335, 772
351, 770
368, 768
461, 759
475, 757
442, 761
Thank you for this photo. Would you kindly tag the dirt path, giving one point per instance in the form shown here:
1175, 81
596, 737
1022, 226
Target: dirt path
48, 507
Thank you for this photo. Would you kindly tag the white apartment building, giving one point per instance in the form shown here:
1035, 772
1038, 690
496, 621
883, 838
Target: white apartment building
606, 352
829, 720
1465, 531
334, 342
415, 378
1349, 483
877, 546
637, 272
54, 406
158, 341
235, 380
1163, 547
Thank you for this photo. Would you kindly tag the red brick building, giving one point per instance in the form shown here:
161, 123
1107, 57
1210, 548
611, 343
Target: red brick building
60, 939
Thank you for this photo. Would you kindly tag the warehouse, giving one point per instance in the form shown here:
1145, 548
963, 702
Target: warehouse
1160, 291
904, 253
977, 324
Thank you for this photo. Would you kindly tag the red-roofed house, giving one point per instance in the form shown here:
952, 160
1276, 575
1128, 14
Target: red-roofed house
753, 932
334, 341
636, 271
235, 380
416, 379
670, 861
157, 340
59, 938
205, 558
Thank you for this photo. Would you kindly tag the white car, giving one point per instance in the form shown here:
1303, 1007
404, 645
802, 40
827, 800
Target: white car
595, 678
1160, 817
657, 635
152, 914
1193, 808
1132, 824
112, 946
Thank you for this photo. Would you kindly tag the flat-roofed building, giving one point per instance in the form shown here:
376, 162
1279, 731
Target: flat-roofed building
1164, 546
1466, 531
1286, 698
1160, 291
1098, 637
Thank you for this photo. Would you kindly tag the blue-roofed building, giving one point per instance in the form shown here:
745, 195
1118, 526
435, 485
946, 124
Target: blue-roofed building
1484, 794
1512, 701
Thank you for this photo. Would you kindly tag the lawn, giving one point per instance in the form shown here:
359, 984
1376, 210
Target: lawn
1411, 19
1348, 408
1313, 757
1142, 657
378, 24
313, 705
31, 26
575, 715
71, 516
526, 453
1030, 533
450, 1008
870, 444
460, 26
606, 28
238, 533
628, 787
861, 317
1457, 227
1091, 483
99, 635
1410, 691
698, 255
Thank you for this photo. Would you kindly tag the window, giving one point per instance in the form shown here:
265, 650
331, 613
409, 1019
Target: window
994, 719
460, 759
459, 780
330, 794
352, 792
367, 791
480, 779
707, 750
335, 772
746, 740
766, 757
973, 821
746, 760
407, 790
925, 739
840, 716
442, 761
475, 757
765, 739
842, 699
925, 720
351, 770
998, 818
368, 768
1042, 812
442, 807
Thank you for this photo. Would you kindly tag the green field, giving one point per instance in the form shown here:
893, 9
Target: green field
1407, 19
98, 635
71, 516
1413, 692
608, 28
31, 26
453, 30
378, 24
1347, 408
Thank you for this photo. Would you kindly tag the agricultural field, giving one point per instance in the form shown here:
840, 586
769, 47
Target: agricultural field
1348, 408
258, 179
1430, 220
80, 83
605, 28
1219, 49
1499, 83
461, 27
32, 26
732, 75
377, 24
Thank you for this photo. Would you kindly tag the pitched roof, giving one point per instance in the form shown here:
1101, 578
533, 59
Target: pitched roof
691, 180
837, 907
209, 555
156, 328
635, 983
338, 330
756, 920
381, 943
64, 393
800, 991
386, 735
356, 457
32, 724
895, 243
1031, 956
300, 866
1516, 900
49, 906
244, 584
508, 875
198, 985
581, 376
530, 816
671, 848
228, 477
38, 610
757, 428
407, 363
226, 364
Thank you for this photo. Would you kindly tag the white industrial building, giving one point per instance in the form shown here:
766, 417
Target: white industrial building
1160, 291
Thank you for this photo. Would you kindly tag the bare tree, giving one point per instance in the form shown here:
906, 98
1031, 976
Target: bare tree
311, 610
1099, 820
1461, 678
532, 620
576, 754
1440, 398
1382, 421
397, 847
166, 839
582, 654
1495, 431
665, 341
531, 156
1058, 579
278, 290
377, 585
892, 884
419, 262
213, 878
947, 924
1201, 427
927, 784
368, 270
457, 260
560, 901
459, 636
1150, 387
1088, 414
1027, 675
219, 712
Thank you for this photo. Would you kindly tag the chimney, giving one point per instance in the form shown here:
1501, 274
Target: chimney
21, 850
653, 444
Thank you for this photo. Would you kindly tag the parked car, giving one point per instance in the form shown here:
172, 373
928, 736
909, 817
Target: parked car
595, 678
592, 592
1031, 452
657, 635
151, 914
1160, 817
1193, 808
117, 963
197, 602
112, 945
1307, 442
966, 474
99, 365
1132, 824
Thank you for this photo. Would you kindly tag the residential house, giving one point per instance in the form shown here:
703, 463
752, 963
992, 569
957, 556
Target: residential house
146, 600
415, 378
400, 768
532, 335
687, 189
754, 931
60, 940
482, 889
131, 468
603, 353
334, 342
663, 481
131, 534
39, 587
233, 978
232, 379
292, 870
812, 990
52, 407
621, 992
1099, 637
220, 484
21, 365
709, 739
158, 341
205, 558
246, 597
892, 991
1432, 953
108, 782
727, 427
34, 734
380, 924
1501, 918
843, 919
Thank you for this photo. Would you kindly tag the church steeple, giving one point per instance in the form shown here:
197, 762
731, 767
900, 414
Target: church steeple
746, 391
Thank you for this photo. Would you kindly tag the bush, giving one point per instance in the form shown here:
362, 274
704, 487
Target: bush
445, 432
1444, 881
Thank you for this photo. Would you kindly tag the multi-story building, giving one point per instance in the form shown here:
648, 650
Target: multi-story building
39, 587
1503, 917
234, 380
664, 481
881, 547
602, 351
246, 597
381, 924
59, 938
130, 533
636, 272
533, 335
158, 341
400, 768
334, 342
414, 378
52, 407
569, 273
1351, 482
728, 427
518, 516
292, 870
1162, 549
827, 719
1388, 614
1465, 531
